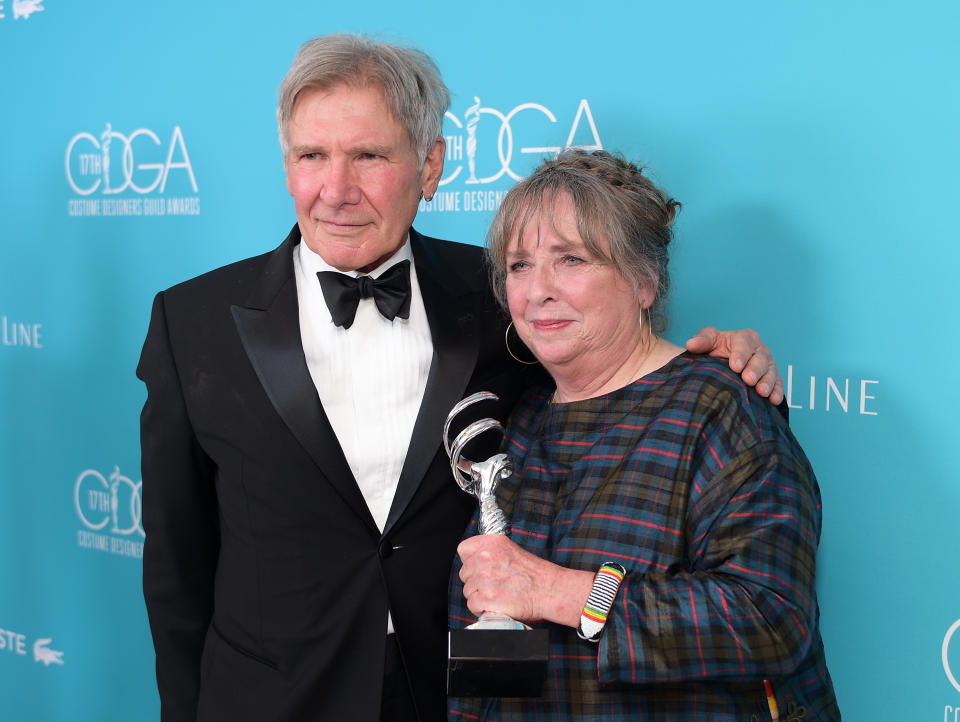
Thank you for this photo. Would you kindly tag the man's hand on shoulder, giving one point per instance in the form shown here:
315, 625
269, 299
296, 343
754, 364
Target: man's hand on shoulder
747, 355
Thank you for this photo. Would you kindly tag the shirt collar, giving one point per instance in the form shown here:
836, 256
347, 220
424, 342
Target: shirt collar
312, 262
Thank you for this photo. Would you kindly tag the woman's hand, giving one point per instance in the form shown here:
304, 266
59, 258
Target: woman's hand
499, 576
748, 356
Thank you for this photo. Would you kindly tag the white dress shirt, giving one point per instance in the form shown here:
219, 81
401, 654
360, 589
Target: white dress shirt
370, 377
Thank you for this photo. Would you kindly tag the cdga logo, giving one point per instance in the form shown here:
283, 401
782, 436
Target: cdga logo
486, 146
112, 163
111, 510
496, 130
92, 162
945, 653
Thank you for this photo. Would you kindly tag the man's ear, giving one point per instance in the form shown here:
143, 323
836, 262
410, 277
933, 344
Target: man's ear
433, 168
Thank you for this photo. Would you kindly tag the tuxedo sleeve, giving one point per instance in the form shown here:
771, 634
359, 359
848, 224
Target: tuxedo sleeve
180, 520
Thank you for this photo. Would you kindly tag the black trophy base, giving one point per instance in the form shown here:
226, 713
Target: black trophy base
497, 662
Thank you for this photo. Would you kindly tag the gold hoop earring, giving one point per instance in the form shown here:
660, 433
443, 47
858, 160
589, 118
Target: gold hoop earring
649, 314
506, 342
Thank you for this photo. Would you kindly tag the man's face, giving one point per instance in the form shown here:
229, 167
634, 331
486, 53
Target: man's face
353, 173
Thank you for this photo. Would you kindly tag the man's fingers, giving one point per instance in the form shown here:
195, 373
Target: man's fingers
747, 353
776, 394
766, 377
755, 372
703, 341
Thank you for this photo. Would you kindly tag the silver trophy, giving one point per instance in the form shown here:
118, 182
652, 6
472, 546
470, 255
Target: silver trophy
480, 478
496, 656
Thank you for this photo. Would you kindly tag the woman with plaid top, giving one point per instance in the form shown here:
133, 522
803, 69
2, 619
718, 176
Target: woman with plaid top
657, 465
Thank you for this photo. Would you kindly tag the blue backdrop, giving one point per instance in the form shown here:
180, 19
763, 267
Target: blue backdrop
813, 145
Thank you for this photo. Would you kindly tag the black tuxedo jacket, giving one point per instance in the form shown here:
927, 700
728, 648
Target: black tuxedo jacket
266, 580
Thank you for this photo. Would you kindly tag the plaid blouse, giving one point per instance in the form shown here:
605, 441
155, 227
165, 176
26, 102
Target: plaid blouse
697, 486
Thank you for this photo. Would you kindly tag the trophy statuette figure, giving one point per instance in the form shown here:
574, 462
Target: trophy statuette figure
496, 656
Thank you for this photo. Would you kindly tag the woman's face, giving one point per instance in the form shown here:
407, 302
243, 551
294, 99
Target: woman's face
575, 312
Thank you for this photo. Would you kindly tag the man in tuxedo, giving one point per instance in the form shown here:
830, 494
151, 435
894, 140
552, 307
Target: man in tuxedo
300, 513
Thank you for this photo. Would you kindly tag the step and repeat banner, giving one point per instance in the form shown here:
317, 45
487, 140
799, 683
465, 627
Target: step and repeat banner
813, 146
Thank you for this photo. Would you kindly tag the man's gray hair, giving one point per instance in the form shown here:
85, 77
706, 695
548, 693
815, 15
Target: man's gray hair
409, 79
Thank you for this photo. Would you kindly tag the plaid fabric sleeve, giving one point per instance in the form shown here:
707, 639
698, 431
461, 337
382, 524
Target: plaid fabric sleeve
743, 606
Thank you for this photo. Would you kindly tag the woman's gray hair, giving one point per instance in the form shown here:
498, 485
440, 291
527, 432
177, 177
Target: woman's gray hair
612, 201
409, 79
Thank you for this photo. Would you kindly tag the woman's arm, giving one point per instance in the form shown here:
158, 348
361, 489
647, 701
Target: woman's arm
744, 606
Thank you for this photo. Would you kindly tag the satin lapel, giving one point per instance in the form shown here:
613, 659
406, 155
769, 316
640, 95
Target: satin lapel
454, 328
269, 328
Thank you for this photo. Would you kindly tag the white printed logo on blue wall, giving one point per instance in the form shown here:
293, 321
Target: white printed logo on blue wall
951, 713
135, 174
110, 509
26, 8
486, 149
832, 394
945, 654
43, 654
25, 334
23, 9
16, 644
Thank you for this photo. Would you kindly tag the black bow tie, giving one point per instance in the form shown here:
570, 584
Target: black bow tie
391, 293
